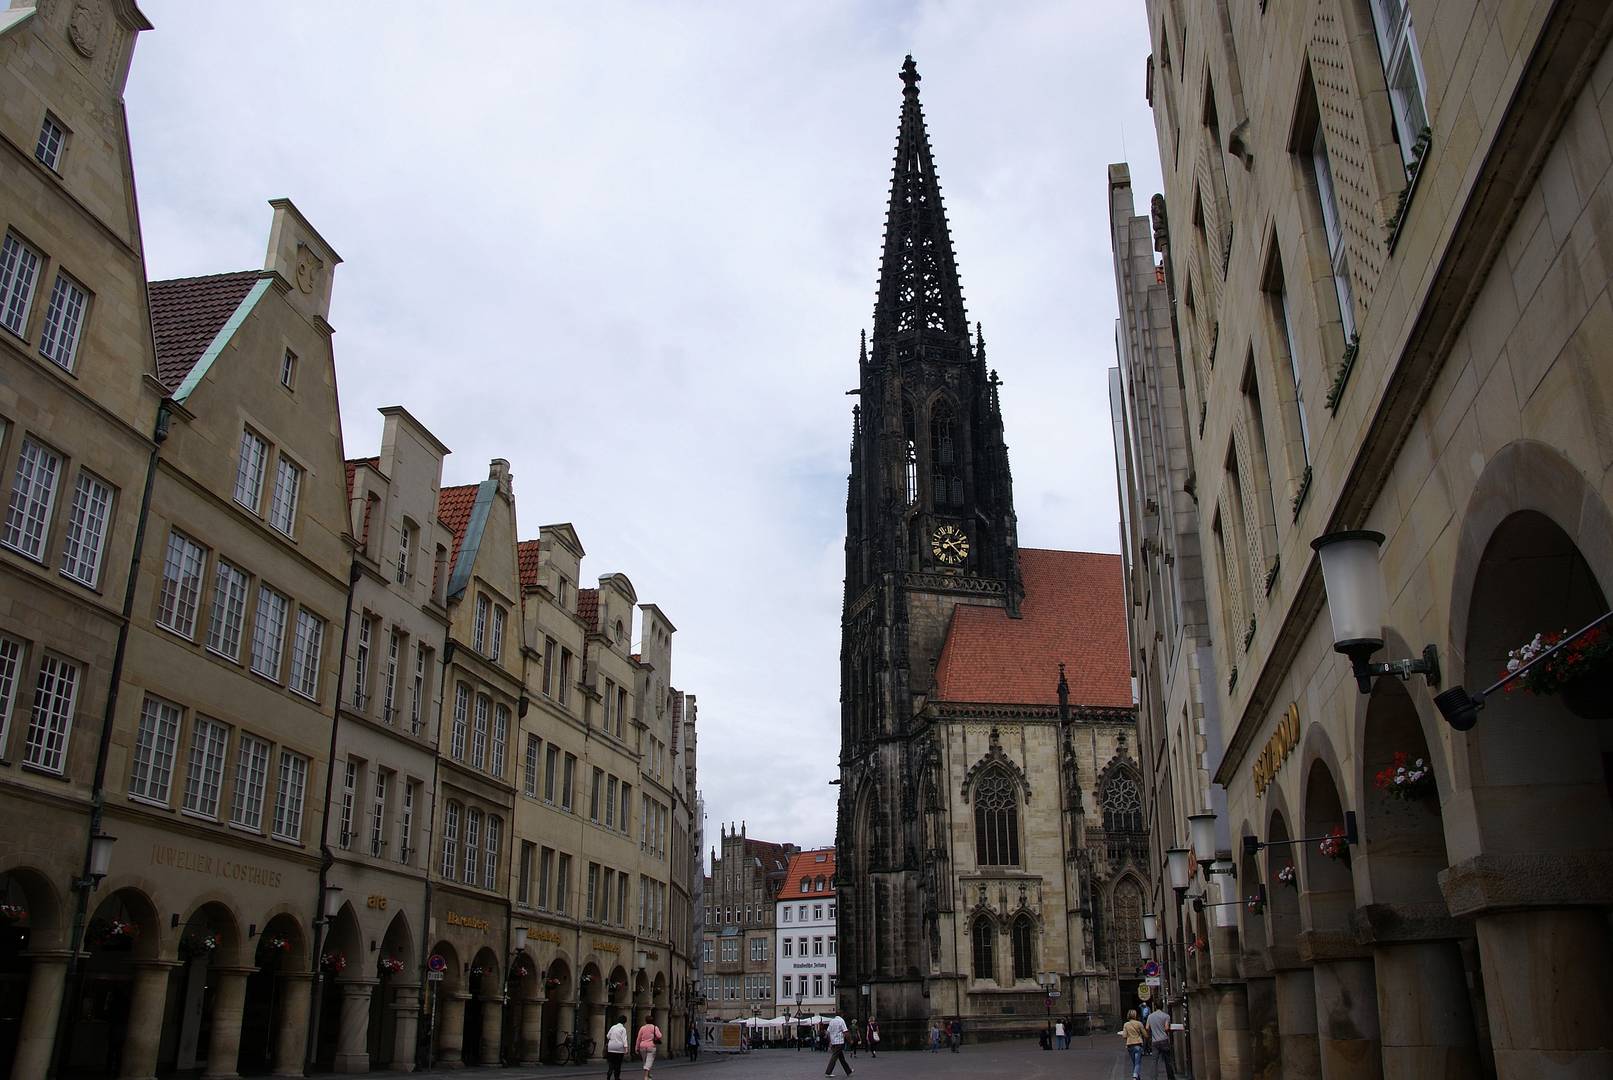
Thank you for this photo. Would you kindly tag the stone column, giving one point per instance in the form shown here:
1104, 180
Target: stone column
229, 1002
1347, 1020
596, 1027
528, 1051
1206, 1041
353, 1032
1423, 1006
1265, 1059
291, 1023
450, 1028
565, 1021
492, 1044
36, 1037
405, 1025
146, 1006
1547, 992
1232, 1030
1296, 1025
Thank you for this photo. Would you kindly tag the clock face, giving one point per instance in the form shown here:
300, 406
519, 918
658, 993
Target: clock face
950, 544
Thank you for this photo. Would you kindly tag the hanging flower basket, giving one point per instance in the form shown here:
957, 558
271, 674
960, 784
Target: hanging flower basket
392, 965
1288, 876
1335, 845
1255, 905
1406, 779
551, 983
1588, 653
334, 962
13, 912
198, 946
1195, 946
614, 985
520, 971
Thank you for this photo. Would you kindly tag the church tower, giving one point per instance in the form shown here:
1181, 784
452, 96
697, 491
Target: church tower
929, 524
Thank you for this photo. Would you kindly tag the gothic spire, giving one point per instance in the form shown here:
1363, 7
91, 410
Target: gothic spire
920, 294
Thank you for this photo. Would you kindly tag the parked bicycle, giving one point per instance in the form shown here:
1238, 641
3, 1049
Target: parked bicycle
575, 1048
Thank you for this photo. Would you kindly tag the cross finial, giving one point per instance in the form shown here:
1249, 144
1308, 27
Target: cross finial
910, 75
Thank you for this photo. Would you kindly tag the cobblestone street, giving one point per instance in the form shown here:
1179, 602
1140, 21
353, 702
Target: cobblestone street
1103, 1060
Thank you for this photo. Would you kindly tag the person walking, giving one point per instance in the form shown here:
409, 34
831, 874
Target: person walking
1146, 1011
837, 1045
694, 1042
935, 1037
1132, 1030
872, 1037
615, 1048
955, 1033
649, 1037
1060, 1039
1159, 1033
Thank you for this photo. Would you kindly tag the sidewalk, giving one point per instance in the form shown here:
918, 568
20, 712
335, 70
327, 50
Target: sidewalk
526, 1072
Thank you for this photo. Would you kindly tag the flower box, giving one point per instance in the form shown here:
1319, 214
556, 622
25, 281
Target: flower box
1404, 778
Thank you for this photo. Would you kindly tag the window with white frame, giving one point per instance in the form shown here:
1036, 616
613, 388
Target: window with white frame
1402, 73
406, 823
289, 798
378, 814
473, 845
361, 661
478, 739
786, 916
479, 632
405, 550
610, 802
496, 646
389, 689
305, 652
568, 776
181, 584
562, 883
64, 322
205, 779
501, 738
551, 759
495, 837
33, 492
288, 370
461, 724
1327, 195
545, 869
52, 720
831, 944
450, 841
52, 141
19, 267
251, 780
269, 632
344, 817
287, 485
529, 767
420, 652
86, 529
152, 773
249, 470
10, 664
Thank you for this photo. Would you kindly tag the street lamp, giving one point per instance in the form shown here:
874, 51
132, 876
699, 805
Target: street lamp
1145, 949
332, 902
1357, 601
1202, 828
1150, 925
100, 861
521, 934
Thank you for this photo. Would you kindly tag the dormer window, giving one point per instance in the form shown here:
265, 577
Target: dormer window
52, 141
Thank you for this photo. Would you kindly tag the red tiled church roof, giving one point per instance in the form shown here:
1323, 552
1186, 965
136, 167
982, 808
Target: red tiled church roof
188, 313
1074, 613
454, 505
526, 559
588, 607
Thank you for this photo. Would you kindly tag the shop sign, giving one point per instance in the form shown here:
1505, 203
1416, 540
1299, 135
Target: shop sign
377, 902
1277, 748
607, 946
551, 936
214, 866
469, 922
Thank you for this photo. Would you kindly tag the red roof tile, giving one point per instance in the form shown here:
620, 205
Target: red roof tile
526, 557
453, 510
1074, 613
188, 313
806, 865
352, 467
588, 607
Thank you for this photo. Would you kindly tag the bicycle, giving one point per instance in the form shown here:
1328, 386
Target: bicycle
575, 1050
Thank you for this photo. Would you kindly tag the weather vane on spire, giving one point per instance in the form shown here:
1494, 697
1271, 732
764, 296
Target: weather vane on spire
910, 74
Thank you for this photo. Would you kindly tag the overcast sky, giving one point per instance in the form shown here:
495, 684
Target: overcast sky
629, 247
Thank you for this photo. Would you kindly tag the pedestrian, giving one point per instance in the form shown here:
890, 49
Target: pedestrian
649, 1037
694, 1042
837, 1045
1059, 1037
955, 1034
615, 1048
873, 1037
1159, 1033
1132, 1030
854, 1037
1147, 1009
1043, 1039
935, 1037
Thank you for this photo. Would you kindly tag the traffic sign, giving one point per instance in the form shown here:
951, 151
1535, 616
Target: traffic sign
1055, 994
434, 976
1144, 993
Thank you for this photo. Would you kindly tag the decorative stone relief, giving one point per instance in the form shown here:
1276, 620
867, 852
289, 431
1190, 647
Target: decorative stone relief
84, 30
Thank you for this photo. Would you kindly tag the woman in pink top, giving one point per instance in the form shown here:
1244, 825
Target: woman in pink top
649, 1037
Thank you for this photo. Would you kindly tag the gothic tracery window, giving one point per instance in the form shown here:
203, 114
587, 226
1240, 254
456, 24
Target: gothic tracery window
910, 461
996, 799
1024, 948
1122, 805
946, 479
984, 934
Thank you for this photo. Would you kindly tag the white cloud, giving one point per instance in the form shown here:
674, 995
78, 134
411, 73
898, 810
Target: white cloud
629, 247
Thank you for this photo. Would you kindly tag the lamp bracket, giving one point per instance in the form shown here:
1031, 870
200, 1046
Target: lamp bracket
1352, 836
1366, 671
